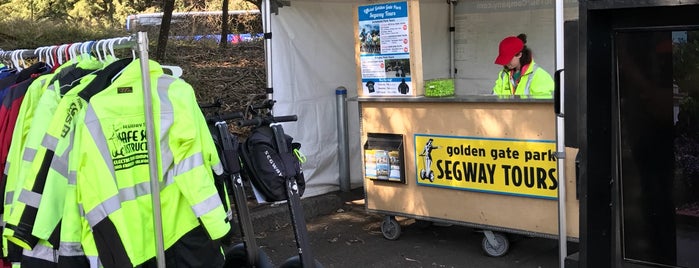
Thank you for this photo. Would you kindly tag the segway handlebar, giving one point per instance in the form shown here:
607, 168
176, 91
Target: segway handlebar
259, 121
224, 117
266, 104
216, 104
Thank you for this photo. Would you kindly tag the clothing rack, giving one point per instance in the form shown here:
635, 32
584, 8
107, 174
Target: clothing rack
138, 43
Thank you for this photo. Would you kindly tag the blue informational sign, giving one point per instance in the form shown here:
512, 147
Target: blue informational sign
384, 47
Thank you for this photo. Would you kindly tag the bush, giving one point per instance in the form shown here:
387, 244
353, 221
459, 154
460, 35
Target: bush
26, 34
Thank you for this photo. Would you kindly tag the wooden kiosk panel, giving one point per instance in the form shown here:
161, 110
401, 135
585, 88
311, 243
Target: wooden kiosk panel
521, 120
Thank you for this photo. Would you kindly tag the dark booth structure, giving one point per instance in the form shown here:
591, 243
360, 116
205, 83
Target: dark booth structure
637, 114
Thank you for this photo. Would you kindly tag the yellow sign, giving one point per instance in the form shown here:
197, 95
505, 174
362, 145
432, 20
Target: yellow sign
503, 166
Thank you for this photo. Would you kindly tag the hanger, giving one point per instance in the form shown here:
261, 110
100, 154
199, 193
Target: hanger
104, 49
59, 54
50, 59
67, 52
15, 60
96, 49
73, 51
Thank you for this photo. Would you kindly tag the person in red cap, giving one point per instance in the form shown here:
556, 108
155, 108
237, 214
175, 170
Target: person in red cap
520, 75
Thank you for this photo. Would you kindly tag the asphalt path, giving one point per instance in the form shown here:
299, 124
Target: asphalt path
350, 237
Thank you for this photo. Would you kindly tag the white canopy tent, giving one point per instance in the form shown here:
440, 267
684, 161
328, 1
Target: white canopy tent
314, 53
313, 45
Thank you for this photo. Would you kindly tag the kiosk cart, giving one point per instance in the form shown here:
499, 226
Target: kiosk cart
475, 160
488, 171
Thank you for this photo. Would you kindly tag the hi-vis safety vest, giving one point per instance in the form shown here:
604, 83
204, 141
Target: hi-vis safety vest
112, 171
534, 82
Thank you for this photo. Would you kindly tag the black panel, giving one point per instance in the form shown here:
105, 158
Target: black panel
595, 142
570, 42
598, 20
646, 159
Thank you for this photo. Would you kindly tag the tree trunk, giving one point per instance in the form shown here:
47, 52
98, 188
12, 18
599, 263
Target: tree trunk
224, 25
168, 7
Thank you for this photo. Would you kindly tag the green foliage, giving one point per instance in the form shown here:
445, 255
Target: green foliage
101, 13
26, 34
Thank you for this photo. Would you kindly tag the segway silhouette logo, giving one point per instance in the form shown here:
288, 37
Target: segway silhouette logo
426, 172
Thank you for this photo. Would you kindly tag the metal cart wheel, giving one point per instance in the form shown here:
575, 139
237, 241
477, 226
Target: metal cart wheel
390, 228
495, 244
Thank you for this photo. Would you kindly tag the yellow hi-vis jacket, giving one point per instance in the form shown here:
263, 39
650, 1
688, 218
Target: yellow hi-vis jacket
535, 82
112, 172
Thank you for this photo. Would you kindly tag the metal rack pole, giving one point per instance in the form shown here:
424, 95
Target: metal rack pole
150, 138
267, 28
560, 138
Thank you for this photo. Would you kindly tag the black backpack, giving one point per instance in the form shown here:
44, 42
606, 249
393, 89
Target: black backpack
267, 168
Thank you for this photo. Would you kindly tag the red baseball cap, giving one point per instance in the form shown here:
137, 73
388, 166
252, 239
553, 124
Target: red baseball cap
509, 47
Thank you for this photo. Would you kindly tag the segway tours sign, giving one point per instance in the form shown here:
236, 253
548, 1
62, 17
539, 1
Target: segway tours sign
502, 166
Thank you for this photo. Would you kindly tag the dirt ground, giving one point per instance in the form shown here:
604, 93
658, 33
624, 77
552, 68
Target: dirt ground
351, 238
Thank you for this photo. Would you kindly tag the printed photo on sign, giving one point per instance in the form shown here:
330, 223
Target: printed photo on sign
501, 166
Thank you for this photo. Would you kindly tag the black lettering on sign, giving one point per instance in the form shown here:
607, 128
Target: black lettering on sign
467, 151
554, 181
540, 156
504, 153
529, 176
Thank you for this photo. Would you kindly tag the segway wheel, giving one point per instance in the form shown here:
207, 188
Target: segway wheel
236, 257
496, 251
390, 228
295, 262
431, 176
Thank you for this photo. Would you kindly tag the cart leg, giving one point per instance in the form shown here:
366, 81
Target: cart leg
491, 238
390, 228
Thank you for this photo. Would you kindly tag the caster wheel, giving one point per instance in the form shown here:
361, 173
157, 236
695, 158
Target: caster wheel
503, 244
390, 228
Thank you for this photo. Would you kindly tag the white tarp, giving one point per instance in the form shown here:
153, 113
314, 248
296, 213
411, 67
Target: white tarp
313, 53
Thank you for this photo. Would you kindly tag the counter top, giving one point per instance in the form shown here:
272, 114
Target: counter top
457, 98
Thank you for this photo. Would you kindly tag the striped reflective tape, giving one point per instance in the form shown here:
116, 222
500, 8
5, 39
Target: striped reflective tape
102, 210
529, 82
70, 249
49, 142
206, 206
131, 193
41, 252
29, 198
29, 154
